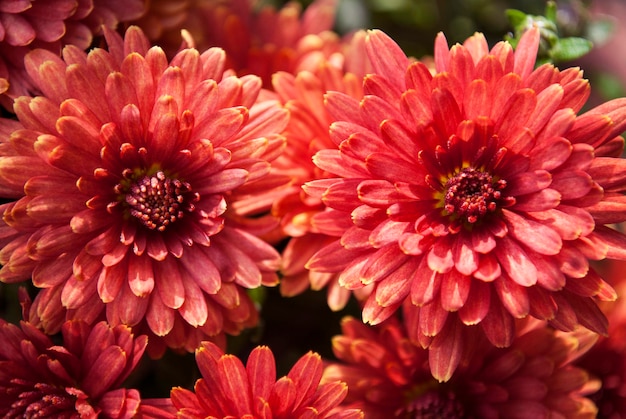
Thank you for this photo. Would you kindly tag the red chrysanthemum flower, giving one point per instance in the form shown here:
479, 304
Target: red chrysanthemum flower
307, 133
476, 193
259, 39
79, 378
163, 16
50, 24
388, 376
125, 175
607, 359
228, 389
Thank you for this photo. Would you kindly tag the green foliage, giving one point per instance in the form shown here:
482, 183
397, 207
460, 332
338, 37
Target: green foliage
553, 47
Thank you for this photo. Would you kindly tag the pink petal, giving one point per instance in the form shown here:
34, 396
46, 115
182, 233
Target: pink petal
194, 308
140, 275
386, 57
498, 324
425, 285
201, 270
540, 201
159, 317
512, 296
549, 155
444, 353
395, 287
373, 313
440, 257
537, 236
382, 263
482, 240
477, 305
76, 293
455, 288
170, 283
432, 318
110, 281
465, 257
516, 262
127, 308
529, 182
526, 52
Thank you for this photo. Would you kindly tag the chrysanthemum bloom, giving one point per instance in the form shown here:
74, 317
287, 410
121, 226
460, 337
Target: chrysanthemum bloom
124, 174
162, 16
477, 194
606, 360
307, 133
79, 378
29, 24
388, 376
258, 38
228, 389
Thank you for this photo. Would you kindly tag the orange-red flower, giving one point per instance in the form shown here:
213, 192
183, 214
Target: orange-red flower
388, 376
307, 133
476, 194
124, 175
258, 38
607, 359
230, 389
50, 24
81, 377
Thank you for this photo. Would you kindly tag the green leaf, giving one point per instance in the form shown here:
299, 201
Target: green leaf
567, 49
517, 18
551, 11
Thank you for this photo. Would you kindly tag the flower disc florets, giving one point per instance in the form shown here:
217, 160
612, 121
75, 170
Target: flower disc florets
471, 193
158, 201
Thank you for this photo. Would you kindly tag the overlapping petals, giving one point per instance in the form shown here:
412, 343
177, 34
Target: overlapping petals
307, 133
230, 389
388, 375
606, 360
28, 24
79, 378
258, 38
476, 194
125, 175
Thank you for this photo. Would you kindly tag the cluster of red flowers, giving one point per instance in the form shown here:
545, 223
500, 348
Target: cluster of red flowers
202, 149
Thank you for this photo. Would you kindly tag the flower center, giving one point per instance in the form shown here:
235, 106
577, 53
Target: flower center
43, 401
158, 201
433, 405
471, 193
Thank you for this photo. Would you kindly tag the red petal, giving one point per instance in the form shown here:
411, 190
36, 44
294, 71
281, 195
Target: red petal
159, 317
425, 285
516, 263
395, 287
536, 236
261, 370
477, 305
513, 297
386, 57
444, 353
455, 288
104, 371
234, 381
498, 325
